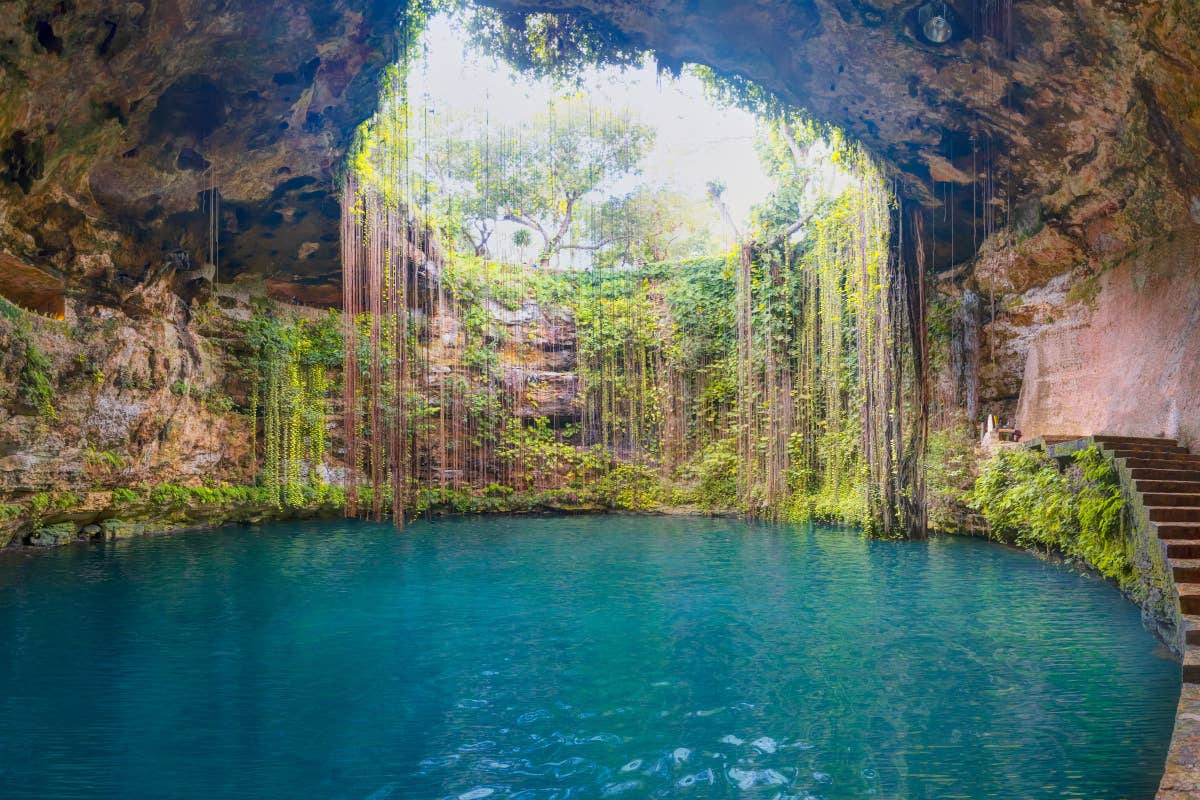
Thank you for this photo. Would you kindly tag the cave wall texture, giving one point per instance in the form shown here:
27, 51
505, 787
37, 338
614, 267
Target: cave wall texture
1081, 116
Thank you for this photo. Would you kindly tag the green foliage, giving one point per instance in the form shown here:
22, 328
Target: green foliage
36, 380
737, 91
950, 474
290, 374
168, 497
542, 175
39, 503
1101, 506
716, 474
559, 46
44, 504
1028, 501
123, 496
11, 312
9, 511
630, 487
103, 459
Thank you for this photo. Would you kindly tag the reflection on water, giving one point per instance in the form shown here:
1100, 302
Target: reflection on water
571, 658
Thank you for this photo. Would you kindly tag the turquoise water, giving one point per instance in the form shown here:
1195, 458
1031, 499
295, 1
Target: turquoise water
571, 657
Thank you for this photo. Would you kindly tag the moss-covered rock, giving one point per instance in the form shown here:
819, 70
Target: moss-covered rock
53, 535
116, 529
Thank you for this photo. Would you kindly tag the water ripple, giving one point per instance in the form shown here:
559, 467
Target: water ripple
568, 659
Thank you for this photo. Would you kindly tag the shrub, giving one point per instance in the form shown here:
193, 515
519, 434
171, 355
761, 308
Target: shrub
716, 472
1102, 538
950, 474
124, 497
35, 382
632, 487
1028, 501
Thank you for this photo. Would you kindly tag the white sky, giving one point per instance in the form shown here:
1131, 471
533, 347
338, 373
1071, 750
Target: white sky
697, 141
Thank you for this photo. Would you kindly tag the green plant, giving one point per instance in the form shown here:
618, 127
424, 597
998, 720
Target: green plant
122, 497
35, 381
951, 470
216, 401
39, 504
290, 375
1102, 539
1027, 500
169, 495
632, 487
104, 459
43, 503
716, 475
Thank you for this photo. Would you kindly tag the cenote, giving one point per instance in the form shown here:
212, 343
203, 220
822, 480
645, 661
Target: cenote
558, 657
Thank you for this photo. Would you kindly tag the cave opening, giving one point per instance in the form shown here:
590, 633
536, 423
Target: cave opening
568, 266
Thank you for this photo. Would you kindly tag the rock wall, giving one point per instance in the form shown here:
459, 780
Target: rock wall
119, 120
1124, 358
133, 399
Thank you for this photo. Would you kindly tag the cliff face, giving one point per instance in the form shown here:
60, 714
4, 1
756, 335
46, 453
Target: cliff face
1124, 357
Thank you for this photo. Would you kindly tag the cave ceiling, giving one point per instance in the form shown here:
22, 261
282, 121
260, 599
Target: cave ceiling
115, 117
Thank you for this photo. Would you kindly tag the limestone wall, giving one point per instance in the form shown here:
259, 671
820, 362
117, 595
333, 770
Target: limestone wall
1129, 362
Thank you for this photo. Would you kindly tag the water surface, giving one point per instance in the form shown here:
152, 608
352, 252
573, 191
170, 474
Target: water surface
571, 657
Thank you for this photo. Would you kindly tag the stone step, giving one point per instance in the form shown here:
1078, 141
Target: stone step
1191, 672
1170, 445
1147, 487
1186, 570
1191, 629
1158, 474
1164, 462
1171, 499
1182, 549
1105, 438
1189, 597
1189, 531
1145, 452
1174, 514
1175, 457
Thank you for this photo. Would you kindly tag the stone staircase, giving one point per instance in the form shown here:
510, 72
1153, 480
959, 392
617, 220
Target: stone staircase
1162, 482
1166, 477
